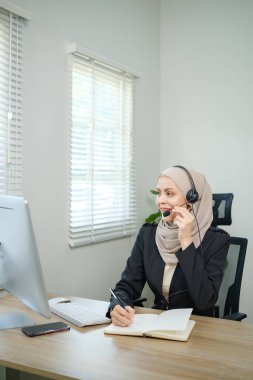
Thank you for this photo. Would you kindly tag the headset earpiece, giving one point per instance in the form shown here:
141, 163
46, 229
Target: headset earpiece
192, 195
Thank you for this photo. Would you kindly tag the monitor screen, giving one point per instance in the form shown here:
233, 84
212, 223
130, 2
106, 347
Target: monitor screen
20, 268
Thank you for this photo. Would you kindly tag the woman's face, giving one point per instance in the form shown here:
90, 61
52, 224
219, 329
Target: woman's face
168, 197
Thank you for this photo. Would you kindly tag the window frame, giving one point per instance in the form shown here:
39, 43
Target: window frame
125, 224
11, 107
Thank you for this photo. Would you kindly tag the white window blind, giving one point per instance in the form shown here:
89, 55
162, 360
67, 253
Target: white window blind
102, 188
11, 28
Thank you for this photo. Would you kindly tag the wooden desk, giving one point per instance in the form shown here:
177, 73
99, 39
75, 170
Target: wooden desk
217, 349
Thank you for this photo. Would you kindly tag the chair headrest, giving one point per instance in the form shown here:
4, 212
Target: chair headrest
222, 209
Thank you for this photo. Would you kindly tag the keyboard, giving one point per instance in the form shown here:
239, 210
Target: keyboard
78, 314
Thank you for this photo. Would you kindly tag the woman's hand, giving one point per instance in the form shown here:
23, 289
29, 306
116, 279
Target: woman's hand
184, 220
122, 316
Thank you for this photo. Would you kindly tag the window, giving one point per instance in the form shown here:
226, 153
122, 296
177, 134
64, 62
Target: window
102, 189
10, 103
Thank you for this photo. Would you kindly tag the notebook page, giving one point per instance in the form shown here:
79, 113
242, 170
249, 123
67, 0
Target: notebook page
140, 324
174, 319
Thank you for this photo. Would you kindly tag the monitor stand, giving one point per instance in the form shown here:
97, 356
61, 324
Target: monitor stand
13, 320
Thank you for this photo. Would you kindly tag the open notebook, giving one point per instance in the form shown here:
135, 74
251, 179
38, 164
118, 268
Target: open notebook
171, 324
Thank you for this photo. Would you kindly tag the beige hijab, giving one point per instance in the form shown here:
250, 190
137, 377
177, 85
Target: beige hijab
167, 234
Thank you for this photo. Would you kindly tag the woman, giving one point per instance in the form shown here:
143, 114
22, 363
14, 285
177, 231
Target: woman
182, 258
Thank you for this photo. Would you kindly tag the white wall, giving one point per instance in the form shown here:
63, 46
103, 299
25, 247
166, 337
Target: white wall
126, 31
207, 103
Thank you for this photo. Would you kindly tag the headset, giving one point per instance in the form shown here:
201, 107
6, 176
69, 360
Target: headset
192, 195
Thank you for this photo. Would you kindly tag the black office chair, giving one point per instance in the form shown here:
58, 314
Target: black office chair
227, 305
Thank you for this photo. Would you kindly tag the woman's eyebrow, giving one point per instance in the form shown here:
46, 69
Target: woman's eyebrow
167, 189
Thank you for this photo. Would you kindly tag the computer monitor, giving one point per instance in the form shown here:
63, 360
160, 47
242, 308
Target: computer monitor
20, 269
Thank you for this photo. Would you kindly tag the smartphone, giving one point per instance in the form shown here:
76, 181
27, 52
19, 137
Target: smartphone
46, 328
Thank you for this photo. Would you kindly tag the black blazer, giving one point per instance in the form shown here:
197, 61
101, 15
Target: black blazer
195, 282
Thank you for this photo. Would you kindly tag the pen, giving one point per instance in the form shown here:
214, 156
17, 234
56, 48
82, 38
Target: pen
117, 298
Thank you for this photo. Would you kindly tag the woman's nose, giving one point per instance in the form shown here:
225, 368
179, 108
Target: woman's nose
162, 198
